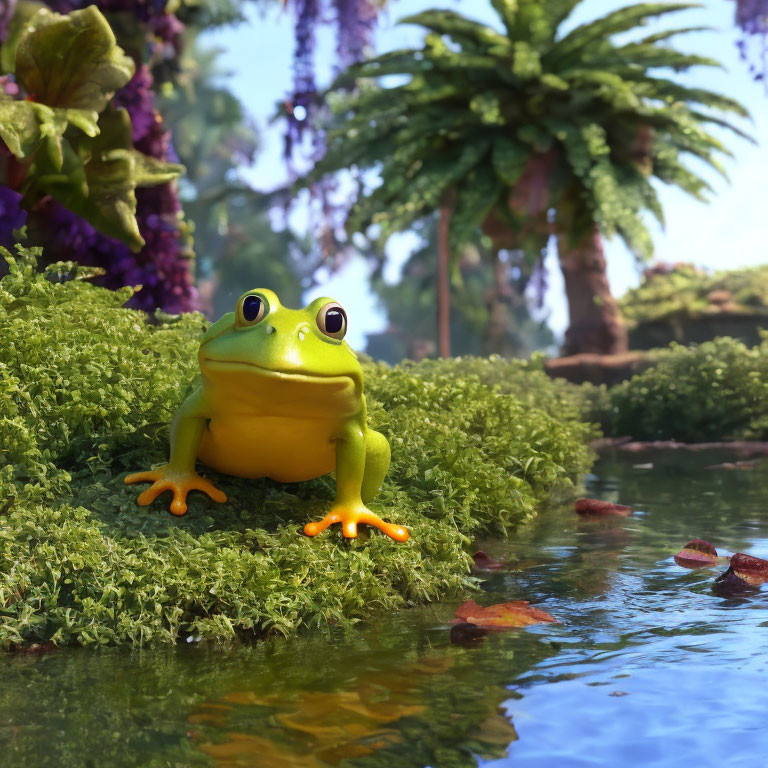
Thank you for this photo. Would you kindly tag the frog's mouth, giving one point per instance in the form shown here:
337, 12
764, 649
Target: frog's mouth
260, 370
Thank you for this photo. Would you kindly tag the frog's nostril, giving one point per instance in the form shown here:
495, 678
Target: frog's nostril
269, 329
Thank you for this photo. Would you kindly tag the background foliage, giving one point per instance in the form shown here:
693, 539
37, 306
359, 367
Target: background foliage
685, 290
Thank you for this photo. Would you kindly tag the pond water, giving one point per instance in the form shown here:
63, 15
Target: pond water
648, 665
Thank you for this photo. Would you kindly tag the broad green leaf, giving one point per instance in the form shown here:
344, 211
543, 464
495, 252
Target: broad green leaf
98, 182
26, 125
23, 12
19, 126
71, 61
149, 171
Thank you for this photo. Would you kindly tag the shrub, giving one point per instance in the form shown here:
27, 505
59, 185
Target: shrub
89, 388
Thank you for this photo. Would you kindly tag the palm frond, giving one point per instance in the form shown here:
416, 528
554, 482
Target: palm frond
611, 24
459, 28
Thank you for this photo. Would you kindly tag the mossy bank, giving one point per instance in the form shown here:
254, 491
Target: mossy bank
88, 391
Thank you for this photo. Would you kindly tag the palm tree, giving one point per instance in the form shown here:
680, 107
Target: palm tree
528, 133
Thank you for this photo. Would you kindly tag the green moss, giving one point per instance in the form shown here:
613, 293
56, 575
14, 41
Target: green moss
714, 391
684, 291
89, 389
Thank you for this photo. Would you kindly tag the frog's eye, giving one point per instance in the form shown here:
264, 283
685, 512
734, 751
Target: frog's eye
332, 321
252, 309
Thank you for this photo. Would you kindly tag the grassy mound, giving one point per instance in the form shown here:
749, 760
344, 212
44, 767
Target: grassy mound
89, 389
717, 390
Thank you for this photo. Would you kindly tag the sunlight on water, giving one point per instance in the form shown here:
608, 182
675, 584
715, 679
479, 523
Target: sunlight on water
648, 666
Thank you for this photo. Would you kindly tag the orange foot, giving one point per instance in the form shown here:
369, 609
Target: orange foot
349, 517
179, 482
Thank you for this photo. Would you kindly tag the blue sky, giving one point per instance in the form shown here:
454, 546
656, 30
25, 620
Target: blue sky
728, 232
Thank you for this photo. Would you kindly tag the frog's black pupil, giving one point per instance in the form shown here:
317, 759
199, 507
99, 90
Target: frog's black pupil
334, 320
251, 307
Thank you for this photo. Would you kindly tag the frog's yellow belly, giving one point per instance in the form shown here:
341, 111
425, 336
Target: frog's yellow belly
285, 449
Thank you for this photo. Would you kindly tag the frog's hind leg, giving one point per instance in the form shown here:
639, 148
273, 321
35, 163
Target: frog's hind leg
377, 457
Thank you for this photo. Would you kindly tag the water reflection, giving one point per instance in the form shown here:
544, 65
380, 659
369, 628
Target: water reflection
649, 666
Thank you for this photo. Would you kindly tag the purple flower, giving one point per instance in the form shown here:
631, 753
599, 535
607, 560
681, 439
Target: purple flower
12, 215
752, 19
138, 98
355, 24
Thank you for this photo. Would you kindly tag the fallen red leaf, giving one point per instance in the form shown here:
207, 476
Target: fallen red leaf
596, 507
485, 563
697, 554
518, 613
745, 574
752, 570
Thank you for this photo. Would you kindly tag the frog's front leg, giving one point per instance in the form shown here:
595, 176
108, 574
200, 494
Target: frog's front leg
362, 460
179, 475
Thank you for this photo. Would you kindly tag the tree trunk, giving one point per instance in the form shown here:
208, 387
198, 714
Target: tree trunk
596, 324
443, 279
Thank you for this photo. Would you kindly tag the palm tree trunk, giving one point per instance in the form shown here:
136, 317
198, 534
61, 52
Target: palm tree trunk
595, 322
443, 279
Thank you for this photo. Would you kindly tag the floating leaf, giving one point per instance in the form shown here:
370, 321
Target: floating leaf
484, 562
735, 465
518, 613
596, 507
745, 573
697, 553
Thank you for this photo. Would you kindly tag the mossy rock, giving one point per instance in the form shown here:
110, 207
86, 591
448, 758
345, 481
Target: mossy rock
89, 389
687, 305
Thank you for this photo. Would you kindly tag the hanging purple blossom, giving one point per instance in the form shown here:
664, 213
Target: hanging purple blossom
355, 22
137, 97
12, 216
165, 277
298, 106
752, 20
355, 25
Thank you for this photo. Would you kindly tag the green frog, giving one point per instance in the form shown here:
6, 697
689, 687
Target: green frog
280, 395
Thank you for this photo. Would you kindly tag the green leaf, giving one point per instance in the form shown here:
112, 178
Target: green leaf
509, 160
475, 199
98, 182
621, 20
71, 61
19, 126
459, 28
23, 12
26, 125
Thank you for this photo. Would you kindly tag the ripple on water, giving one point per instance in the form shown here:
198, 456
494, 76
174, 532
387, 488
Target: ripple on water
647, 667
